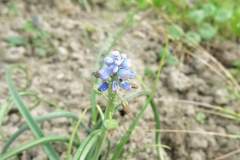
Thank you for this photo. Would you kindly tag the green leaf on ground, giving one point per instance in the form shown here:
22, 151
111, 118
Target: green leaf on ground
209, 9
16, 41
175, 32
222, 16
197, 16
192, 38
207, 31
201, 117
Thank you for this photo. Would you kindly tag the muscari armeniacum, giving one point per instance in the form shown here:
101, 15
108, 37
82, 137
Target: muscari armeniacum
116, 74
118, 67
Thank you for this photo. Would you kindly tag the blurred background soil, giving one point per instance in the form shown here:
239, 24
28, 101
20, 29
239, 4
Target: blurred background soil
62, 73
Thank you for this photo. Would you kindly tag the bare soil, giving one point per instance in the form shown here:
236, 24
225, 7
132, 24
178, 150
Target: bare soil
64, 77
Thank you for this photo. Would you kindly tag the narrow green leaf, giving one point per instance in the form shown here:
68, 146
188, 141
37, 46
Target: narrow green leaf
91, 137
39, 120
73, 134
27, 116
4, 108
157, 120
87, 148
158, 127
126, 136
108, 149
41, 141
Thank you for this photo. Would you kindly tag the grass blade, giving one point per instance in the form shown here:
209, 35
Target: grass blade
39, 120
40, 141
27, 116
126, 136
73, 134
158, 126
4, 108
80, 150
108, 149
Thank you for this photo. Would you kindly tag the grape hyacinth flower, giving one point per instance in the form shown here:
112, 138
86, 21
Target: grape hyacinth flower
117, 74
118, 71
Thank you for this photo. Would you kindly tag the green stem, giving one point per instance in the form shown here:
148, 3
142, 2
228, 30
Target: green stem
112, 101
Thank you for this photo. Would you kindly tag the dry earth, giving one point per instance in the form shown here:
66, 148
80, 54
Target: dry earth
64, 77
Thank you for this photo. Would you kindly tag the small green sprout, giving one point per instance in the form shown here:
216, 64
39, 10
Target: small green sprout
149, 72
171, 60
16, 41
13, 7
201, 117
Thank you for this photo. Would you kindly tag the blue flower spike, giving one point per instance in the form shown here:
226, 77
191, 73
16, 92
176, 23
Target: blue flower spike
108, 60
104, 73
126, 63
115, 54
132, 74
103, 87
124, 74
118, 71
125, 85
113, 68
115, 86
124, 56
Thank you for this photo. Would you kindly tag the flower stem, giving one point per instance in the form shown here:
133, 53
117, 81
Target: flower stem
112, 100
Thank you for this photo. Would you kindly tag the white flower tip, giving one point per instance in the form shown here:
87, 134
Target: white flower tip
115, 53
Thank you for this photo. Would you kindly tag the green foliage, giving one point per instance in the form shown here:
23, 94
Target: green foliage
192, 38
161, 53
42, 51
206, 18
149, 72
171, 60
207, 31
209, 10
30, 28
236, 70
222, 16
16, 41
235, 25
201, 117
237, 64
175, 32
40, 35
197, 16
13, 7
